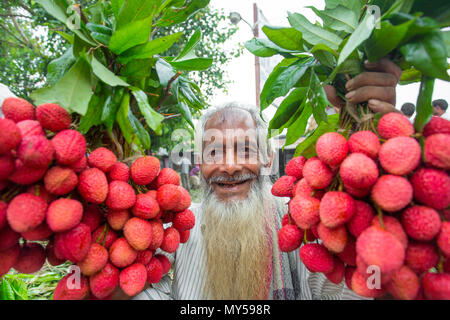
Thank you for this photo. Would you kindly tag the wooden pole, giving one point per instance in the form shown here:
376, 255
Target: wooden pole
257, 67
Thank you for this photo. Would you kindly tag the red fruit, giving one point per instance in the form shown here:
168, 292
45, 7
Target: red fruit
362, 218
64, 214
40, 233
121, 254
154, 271
372, 246
332, 148
74, 244
30, 128
152, 193
295, 167
443, 239
51, 255
72, 287
365, 142
436, 286
184, 220
26, 212
17, 109
6, 166
431, 187
102, 158
8, 258
93, 185
185, 200
357, 193
447, 266
80, 165
145, 169
349, 271
60, 181
358, 171
436, 125
336, 208
421, 223
316, 258
286, 220
304, 211
184, 236
392, 193
70, 146
119, 171
3, 209
360, 286
289, 238
333, 239
10, 137
144, 257
138, 232
337, 275
53, 117
146, 207
171, 240
284, 186
31, 258
95, 260
302, 188
317, 173
348, 255
437, 152
167, 216
168, 196
394, 125
104, 236
117, 218
400, 155
25, 175
92, 217
420, 257
165, 262
132, 279
393, 226
8, 238
39, 190
404, 284
120, 196
103, 283
167, 176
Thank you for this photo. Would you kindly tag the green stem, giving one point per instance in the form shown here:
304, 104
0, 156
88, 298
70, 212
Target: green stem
424, 107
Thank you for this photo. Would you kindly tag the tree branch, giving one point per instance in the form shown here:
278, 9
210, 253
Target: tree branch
13, 35
167, 90
19, 29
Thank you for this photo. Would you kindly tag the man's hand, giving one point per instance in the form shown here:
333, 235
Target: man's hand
376, 86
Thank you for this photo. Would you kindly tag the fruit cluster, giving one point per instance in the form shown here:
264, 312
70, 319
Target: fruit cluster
379, 209
59, 204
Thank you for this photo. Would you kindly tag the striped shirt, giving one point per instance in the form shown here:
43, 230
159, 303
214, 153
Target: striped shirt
189, 275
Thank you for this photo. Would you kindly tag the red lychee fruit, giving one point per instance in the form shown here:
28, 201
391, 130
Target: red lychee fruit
365, 142
404, 284
40, 233
145, 169
80, 165
348, 255
6, 166
104, 236
92, 216
362, 218
39, 190
336, 208
53, 117
332, 148
102, 158
95, 260
168, 196
51, 255
74, 244
359, 285
93, 185
302, 188
138, 233
431, 188
185, 200
337, 275
171, 240
349, 271
400, 155
10, 137
333, 239
436, 286
8, 258
392, 193
121, 196
146, 207
60, 181
372, 245
294, 167
31, 258
184, 236
26, 212
144, 257
165, 262
17, 109
284, 186
316, 258
117, 218
154, 271
119, 171
437, 152
287, 220
317, 173
358, 171
421, 223
132, 279
72, 287
394, 125
121, 254
184, 220
289, 238
157, 234
30, 128
25, 175
167, 176
420, 257
64, 214
443, 239
436, 125
103, 283
356, 192
70, 146
8, 238
3, 209
304, 211
393, 226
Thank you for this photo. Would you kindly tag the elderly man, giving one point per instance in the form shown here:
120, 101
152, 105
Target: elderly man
232, 252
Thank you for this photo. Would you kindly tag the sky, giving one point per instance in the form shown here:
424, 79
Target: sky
241, 70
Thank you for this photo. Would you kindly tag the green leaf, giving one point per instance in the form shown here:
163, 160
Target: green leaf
134, 10
446, 37
185, 112
192, 64
287, 38
20, 289
152, 117
424, 107
110, 106
58, 67
439, 11
324, 54
73, 91
6, 293
409, 76
338, 18
165, 71
264, 48
130, 35
176, 15
318, 99
190, 45
105, 74
93, 115
150, 48
297, 129
312, 33
139, 68
116, 5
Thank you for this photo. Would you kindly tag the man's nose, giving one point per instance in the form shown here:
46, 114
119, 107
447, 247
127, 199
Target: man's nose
231, 163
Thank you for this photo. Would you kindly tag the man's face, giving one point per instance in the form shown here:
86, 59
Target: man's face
230, 163
437, 111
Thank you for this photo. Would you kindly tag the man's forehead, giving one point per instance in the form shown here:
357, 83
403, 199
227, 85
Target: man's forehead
231, 118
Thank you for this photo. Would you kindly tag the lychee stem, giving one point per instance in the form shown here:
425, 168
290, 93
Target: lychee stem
440, 265
380, 216
305, 238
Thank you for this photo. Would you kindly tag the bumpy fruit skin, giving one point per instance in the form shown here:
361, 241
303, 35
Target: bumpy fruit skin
39, 190
138, 233
436, 125
168, 196
421, 223
404, 284
284, 186
132, 279
393, 226
117, 218
171, 240
144, 257
431, 188
103, 232
289, 238
3, 208
295, 167
17, 109
337, 275
336, 208
74, 244
437, 152
317, 173
392, 193
66, 289
362, 218
10, 137
185, 200
154, 271
157, 234
349, 271
316, 258
359, 286
70, 146
146, 207
420, 257
443, 239
358, 171
30, 128
436, 286
80, 165
184, 220
31, 258
64, 214
121, 196
184, 236
6, 166
103, 283
8, 258
167, 176
119, 171
365, 142
372, 246
332, 148
394, 125
93, 185
92, 216
145, 169
302, 188
25, 175
333, 239
304, 211
8, 238
348, 255
102, 158
53, 117
400, 155
59, 180
165, 262
40, 233
121, 254
26, 212
51, 255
